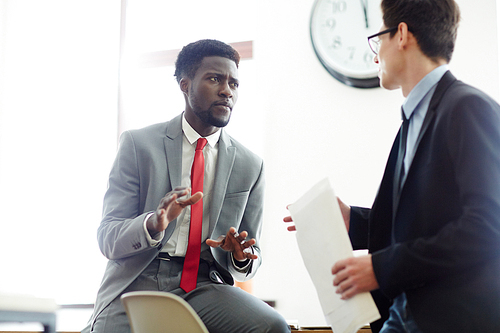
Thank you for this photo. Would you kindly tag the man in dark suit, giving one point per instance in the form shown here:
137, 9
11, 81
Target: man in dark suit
433, 232
149, 212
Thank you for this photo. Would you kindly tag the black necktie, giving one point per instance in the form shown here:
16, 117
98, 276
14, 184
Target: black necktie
399, 171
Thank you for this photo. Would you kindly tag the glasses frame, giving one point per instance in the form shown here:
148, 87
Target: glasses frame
374, 46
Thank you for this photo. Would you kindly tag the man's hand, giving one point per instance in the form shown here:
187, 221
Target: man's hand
235, 243
354, 275
344, 209
169, 209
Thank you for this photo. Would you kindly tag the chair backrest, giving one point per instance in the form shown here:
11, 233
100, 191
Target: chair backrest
160, 312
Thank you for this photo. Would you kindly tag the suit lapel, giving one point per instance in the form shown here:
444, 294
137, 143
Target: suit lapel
173, 155
225, 162
173, 151
441, 88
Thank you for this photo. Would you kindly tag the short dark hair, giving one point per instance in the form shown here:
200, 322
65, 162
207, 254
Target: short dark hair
190, 58
434, 23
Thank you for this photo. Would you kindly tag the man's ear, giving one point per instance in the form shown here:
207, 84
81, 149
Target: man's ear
403, 35
184, 85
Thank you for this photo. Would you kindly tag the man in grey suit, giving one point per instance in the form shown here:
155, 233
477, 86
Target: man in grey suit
146, 220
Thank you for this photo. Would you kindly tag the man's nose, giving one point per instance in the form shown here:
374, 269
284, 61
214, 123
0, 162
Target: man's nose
226, 90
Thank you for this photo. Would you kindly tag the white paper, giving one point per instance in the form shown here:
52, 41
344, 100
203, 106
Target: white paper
322, 239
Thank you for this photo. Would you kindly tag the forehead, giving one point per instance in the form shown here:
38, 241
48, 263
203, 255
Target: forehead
218, 65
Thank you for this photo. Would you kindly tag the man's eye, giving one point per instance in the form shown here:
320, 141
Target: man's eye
235, 84
214, 79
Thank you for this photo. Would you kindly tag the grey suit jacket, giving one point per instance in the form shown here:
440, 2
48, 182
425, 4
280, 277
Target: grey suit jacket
147, 166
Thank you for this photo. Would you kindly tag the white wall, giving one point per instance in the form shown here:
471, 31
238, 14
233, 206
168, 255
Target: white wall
316, 127
58, 121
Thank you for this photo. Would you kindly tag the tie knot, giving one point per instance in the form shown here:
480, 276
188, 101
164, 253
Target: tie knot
201, 143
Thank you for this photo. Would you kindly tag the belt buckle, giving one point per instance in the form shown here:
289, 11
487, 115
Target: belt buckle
160, 257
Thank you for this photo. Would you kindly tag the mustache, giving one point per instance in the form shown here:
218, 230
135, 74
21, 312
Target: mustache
226, 103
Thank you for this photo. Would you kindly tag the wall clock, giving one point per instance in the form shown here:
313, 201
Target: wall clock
339, 31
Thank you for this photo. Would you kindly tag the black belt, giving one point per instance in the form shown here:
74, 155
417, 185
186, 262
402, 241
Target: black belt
168, 257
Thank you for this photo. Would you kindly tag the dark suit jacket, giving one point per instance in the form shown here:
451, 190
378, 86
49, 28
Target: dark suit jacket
147, 166
446, 223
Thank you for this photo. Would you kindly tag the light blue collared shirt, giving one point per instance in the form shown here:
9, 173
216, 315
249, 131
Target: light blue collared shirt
415, 108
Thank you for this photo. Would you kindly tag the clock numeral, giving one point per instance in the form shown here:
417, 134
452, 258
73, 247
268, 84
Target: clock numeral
330, 23
368, 58
339, 6
337, 42
352, 51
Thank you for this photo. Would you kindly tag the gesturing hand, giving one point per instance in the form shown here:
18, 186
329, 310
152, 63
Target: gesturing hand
235, 243
170, 207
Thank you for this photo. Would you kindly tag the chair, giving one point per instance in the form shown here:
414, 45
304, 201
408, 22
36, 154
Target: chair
160, 312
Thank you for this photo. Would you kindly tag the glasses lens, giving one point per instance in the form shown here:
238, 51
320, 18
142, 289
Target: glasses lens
374, 44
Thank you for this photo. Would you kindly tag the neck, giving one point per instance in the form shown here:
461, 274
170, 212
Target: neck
416, 73
199, 126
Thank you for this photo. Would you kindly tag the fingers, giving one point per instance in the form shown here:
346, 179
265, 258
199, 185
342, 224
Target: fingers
241, 238
340, 274
346, 290
342, 281
288, 219
354, 275
236, 243
216, 243
191, 200
172, 196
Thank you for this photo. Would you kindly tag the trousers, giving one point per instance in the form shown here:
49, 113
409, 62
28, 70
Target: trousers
222, 308
400, 318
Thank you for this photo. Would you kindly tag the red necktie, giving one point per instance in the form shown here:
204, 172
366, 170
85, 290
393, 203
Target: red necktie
192, 259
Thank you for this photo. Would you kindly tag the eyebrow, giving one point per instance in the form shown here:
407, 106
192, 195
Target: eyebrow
218, 74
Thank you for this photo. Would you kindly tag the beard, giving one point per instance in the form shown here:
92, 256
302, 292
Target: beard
208, 117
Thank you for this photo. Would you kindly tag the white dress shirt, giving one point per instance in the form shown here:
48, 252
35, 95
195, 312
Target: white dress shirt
177, 244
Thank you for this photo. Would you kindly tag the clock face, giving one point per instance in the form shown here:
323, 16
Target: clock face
339, 31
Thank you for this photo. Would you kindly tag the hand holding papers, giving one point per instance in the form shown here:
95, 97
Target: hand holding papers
322, 239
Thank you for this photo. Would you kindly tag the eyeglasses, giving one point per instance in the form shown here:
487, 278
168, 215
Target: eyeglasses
374, 40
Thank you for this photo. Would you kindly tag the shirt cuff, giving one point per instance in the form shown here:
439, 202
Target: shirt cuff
154, 242
241, 266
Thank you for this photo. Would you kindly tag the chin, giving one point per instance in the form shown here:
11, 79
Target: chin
220, 121
387, 84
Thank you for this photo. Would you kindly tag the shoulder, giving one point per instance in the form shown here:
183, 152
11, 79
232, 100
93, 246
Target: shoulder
154, 133
463, 100
242, 152
468, 115
460, 93
155, 130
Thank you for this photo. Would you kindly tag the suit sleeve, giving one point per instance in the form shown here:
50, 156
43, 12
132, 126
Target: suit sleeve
358, 227
121, 232
251, 222
465, 210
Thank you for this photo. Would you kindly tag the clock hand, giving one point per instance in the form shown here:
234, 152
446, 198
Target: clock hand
365, 5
